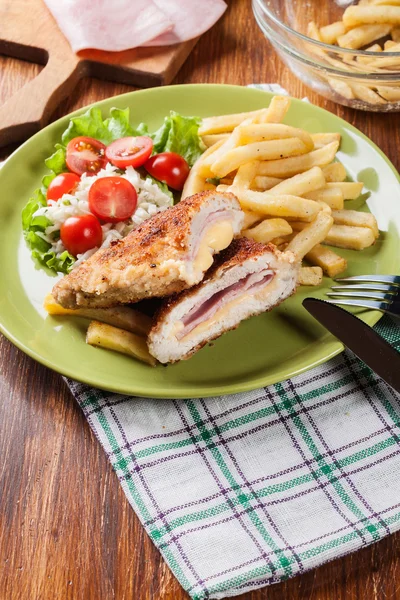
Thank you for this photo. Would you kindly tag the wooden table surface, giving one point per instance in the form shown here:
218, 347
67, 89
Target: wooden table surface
66, 528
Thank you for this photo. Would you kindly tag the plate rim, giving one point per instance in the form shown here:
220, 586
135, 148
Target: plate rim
370, 317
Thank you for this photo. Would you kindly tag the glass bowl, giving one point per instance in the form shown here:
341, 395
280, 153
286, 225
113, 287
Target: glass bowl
358, 78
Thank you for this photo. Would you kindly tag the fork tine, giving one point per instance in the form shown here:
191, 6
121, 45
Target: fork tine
368, 296
382, 306
391, 279
376, 287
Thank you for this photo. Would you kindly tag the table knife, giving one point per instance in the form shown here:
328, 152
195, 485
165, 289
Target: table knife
360, 338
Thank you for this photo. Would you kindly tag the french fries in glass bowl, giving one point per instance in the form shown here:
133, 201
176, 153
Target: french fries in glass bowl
347, 52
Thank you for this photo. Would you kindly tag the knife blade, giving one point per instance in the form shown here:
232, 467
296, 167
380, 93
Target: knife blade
360, 338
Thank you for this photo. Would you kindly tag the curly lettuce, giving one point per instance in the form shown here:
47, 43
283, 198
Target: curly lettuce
177, 134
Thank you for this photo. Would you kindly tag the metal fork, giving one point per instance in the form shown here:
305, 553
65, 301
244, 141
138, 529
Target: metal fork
379, 292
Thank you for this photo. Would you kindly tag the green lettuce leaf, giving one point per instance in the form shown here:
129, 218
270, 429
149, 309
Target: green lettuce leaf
181, 135
40, 248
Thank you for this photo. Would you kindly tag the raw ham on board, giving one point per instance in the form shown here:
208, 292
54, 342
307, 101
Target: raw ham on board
124, 24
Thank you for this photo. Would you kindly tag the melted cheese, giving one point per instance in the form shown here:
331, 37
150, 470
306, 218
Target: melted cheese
216, 238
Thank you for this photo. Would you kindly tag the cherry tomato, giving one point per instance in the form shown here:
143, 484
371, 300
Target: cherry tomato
129, 151
79, 234
65, 183
112, 199
169, 167
85, 155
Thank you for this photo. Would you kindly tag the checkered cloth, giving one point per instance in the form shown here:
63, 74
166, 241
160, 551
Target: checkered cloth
242, 491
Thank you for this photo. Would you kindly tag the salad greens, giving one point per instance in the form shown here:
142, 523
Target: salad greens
177, 134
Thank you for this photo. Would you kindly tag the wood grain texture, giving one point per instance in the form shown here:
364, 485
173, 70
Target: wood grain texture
66, 530
29, 31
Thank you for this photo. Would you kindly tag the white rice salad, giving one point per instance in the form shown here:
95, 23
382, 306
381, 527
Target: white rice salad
151, 200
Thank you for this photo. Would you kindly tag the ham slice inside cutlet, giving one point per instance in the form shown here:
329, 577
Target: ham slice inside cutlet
252, 282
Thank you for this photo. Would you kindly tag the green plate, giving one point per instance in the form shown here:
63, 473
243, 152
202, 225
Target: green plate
263, 350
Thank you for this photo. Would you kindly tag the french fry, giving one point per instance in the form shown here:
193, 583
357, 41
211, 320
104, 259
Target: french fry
396, 34
365, 60
388, 45
362, 35
227, 123
362, 92
300, 184
251, 218
387, 61
322, 139
333, 197
213, 138
310, 276
265, 183
196, 180
272, 131
277, 206
231, 142
352, 238
281, 242
311, 235
120, 316
287, 167
330, 33
125, 342
245, 175
350, 189
222, 187
270, 150
334, 172
385, 2
331, 263
268, 230
341, 87
313, 32
325, 207
276, 110
389, 93
356, 218
360, 15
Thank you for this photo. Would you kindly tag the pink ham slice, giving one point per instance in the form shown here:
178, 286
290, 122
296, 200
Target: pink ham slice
209, 307
191, 18
124, 24
112, 26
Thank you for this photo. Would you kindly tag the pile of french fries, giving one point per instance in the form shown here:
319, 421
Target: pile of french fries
362, 27
291, 189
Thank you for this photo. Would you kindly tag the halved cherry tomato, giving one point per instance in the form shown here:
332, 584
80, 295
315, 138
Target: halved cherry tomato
112, 199
65, 183
169, 167
85, 155
79, 234
129, 151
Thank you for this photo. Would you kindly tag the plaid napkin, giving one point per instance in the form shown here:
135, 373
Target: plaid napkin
242, 491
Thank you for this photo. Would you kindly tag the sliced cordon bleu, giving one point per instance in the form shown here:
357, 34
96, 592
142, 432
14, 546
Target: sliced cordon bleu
247, 279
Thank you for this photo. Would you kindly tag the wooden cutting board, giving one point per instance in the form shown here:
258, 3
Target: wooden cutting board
29, 31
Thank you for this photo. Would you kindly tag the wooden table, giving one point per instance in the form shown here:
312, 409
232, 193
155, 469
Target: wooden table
66, 528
